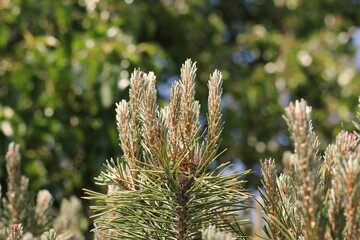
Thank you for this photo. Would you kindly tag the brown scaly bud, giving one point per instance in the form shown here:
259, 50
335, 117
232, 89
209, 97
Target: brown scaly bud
43, 202
14, 178
15, 231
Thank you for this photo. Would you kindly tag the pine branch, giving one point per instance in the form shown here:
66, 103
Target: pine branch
161, 189
317, 197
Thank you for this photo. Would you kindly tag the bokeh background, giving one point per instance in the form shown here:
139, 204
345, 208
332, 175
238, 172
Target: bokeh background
64, 64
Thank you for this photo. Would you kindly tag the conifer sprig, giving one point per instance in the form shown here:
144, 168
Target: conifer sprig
159, 188
317, 197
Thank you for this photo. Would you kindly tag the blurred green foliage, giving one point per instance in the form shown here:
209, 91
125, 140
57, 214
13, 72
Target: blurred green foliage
64, 64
